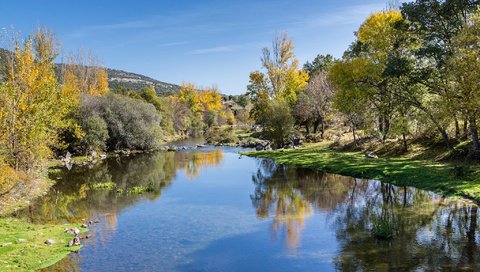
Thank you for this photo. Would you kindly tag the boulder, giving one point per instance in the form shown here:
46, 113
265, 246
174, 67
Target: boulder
49, 242
370, 155
74, 242
73, 231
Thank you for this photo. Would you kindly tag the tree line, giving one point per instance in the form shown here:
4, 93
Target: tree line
48, 109
412, 72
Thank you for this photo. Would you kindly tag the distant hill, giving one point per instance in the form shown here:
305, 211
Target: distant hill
116, 78
119, 78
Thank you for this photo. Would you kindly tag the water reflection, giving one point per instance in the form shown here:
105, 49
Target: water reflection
73, 200
224, 221
429, 232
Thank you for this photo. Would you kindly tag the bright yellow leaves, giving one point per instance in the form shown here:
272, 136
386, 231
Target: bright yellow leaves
31, 103
378, 32
282, 77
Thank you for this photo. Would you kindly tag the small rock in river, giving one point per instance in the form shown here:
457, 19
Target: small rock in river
49, 242
84, 226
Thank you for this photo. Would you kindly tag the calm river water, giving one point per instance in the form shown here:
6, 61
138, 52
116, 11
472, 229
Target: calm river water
214, 210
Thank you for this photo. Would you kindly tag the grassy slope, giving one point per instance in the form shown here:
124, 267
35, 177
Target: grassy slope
33, 254
422, 174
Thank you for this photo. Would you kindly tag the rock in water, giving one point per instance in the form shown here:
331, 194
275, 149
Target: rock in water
50, 242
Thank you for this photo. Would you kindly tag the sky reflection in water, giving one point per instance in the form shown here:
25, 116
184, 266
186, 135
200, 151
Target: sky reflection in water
213, 210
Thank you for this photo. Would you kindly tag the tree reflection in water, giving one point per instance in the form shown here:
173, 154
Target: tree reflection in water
72, 200
429, 232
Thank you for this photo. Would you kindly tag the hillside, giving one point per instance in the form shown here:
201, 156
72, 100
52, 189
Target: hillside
116, 78
119, 78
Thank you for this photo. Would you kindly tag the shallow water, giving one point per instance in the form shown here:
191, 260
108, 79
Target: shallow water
214, 210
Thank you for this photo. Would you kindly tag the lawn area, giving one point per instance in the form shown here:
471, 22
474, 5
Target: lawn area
422, 174
23, 248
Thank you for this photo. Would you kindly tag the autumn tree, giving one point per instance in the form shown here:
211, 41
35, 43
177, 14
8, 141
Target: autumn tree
32, 105
282, 77
84, 73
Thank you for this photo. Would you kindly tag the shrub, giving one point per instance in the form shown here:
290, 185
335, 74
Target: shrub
277, 122
131, 123
96, 132
8, 178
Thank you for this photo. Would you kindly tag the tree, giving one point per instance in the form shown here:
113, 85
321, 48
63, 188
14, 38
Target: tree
131, 123
282, 77
321, 63
436, 23
85, 73
464, 66
277, 122
315, 103
349, 99
32, 107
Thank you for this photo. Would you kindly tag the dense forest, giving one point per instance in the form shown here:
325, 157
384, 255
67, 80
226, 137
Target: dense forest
412, 73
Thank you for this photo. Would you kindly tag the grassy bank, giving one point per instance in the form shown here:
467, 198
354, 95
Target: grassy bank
450, 179
23, 248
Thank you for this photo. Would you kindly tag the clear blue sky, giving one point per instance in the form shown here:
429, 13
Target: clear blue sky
200, 41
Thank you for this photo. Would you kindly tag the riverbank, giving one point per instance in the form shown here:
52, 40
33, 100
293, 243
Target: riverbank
23, 245
449, 178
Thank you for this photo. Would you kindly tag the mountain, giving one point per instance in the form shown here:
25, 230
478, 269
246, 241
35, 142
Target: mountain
116, 78
119, 78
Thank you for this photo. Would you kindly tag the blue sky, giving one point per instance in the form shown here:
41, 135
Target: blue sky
204, 42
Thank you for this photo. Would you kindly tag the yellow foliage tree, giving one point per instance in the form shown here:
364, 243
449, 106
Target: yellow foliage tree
210, 99
31, 103
282, 78
189, 95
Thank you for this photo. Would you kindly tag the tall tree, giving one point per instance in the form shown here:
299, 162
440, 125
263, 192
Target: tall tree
282, 77
31, 103
465, 68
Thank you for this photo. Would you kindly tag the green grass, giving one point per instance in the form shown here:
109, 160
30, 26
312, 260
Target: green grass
424, 174
34, 253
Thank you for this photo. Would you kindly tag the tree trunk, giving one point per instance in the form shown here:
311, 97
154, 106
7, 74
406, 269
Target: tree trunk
315, 127
465, 129
440, 129
457, 127
386, 128
307, 128
405, 144
323, 128
354, 134
474, 133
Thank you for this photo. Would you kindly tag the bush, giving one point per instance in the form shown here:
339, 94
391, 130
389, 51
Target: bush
277, 122
8, 178
221, 136
131, 123
96, 132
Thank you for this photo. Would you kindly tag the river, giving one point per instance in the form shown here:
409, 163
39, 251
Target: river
214, 210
